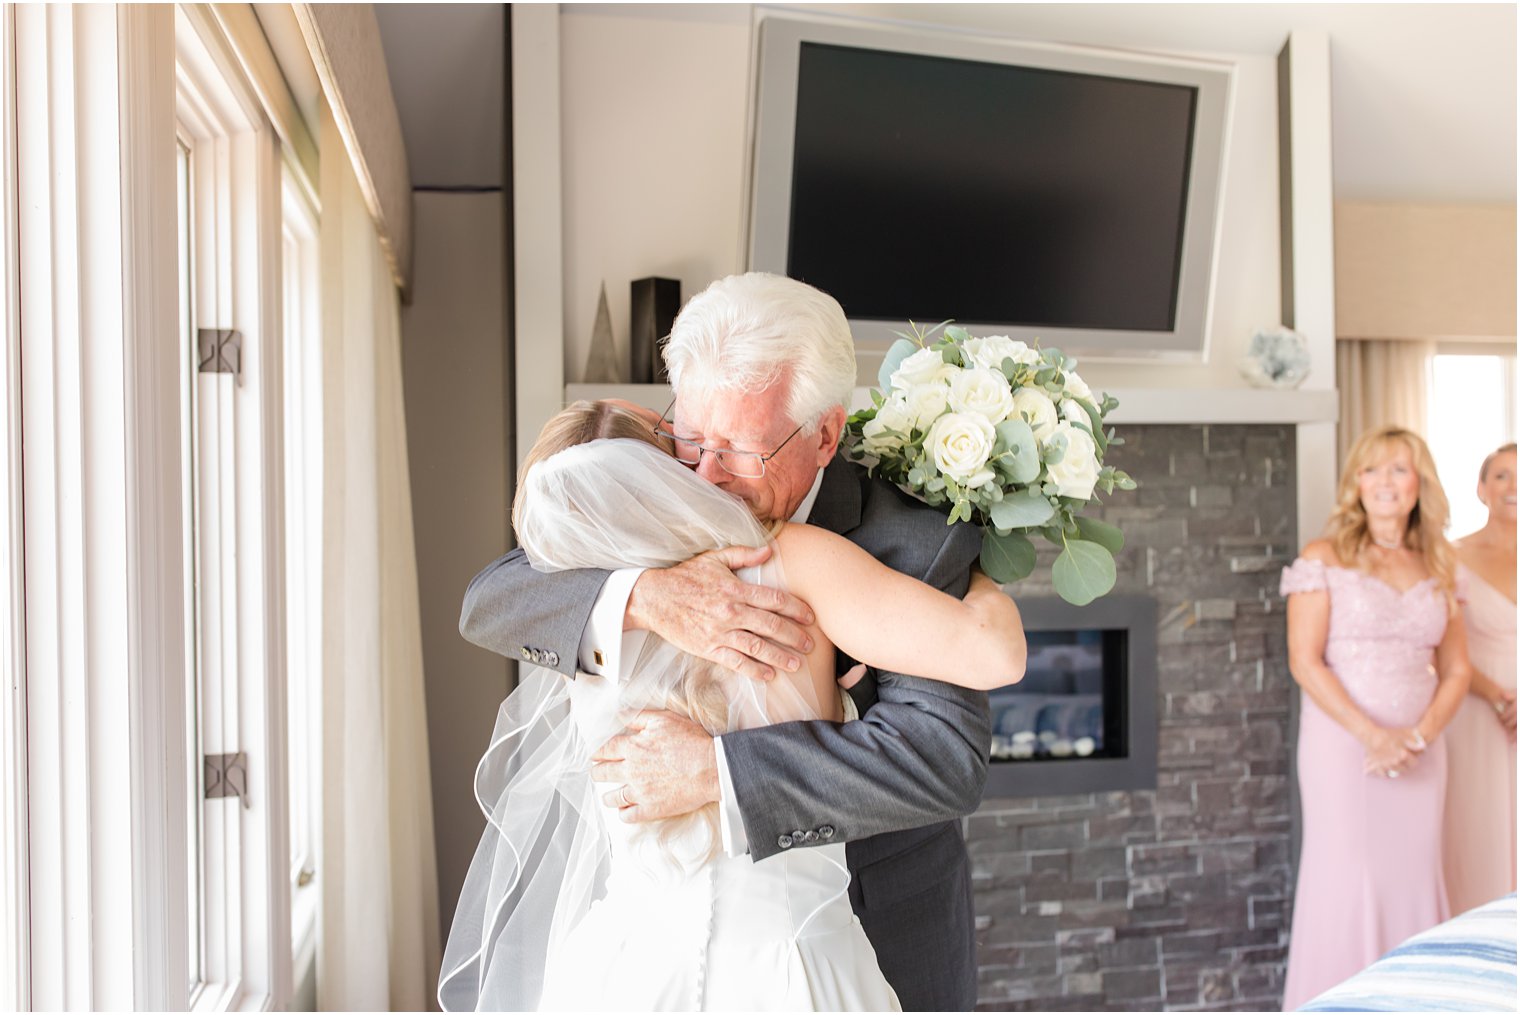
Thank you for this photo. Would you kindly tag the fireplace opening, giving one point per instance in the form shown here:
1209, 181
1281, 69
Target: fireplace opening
1083, 718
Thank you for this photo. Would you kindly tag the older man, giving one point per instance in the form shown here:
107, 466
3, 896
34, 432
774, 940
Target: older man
762, 367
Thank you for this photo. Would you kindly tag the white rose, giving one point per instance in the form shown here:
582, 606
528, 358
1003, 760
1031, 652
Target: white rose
961, 443
925, 402
990, 352
981, 391
1076, 387
894, 415
1040, 410
1077, 471
923, 367
1073, 412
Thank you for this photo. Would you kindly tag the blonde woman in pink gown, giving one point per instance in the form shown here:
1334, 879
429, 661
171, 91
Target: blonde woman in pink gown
1378, 649
1480, 781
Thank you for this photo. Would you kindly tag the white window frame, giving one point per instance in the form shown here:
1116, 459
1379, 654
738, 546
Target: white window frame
15, 958
99, 481
94, 598
236, 210
303, 463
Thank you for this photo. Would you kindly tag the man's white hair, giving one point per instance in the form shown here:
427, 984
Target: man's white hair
743, 333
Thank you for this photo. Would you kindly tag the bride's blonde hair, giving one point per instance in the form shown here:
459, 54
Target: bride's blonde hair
1426, 533
699, 695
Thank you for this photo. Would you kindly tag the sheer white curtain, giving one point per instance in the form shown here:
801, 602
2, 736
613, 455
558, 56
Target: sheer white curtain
379, 942
1381, 381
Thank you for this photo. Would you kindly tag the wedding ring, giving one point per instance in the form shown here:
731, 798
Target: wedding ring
1501, 706
1393, 773
623, 800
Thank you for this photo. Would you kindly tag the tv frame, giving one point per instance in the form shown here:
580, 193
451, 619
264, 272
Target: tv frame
774, 117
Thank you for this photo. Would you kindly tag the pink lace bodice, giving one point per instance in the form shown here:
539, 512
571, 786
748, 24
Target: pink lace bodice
1382, 641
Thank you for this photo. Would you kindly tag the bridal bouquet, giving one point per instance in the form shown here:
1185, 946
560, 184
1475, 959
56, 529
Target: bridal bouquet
1003, 436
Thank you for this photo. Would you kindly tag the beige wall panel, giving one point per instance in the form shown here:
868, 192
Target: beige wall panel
1424, 270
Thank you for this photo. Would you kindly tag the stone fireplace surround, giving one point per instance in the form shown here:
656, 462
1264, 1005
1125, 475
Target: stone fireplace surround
1178, 897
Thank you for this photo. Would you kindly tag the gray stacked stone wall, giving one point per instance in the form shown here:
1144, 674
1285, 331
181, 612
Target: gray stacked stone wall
1175, 898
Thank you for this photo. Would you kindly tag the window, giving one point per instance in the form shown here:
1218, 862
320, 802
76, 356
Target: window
152, 563
303, 557
1472, 410
237, 916
13, 866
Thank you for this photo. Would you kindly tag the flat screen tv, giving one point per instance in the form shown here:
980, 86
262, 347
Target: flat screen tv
1044, 192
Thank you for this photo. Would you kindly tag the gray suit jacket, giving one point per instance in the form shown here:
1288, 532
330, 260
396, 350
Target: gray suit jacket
891, 785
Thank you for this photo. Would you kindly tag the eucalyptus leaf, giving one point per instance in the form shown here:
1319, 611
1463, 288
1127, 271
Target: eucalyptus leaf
899, 351
1007, 558
956, 333
1022, 456
1083, 572
1102, 533
1096, 419
1022, 510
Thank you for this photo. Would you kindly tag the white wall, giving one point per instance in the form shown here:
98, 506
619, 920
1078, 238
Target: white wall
654, 136
455, 379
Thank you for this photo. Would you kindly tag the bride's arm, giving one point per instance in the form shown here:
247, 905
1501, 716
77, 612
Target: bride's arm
893, 622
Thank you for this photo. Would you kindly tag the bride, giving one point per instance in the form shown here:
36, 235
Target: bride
567, 907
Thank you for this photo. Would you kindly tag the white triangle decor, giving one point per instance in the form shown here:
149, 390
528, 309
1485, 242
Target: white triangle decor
602, 366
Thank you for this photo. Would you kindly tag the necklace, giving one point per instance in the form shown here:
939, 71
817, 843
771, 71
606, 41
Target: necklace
1397, 544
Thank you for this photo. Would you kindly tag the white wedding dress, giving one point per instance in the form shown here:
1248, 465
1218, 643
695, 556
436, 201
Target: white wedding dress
728, 935
566, 907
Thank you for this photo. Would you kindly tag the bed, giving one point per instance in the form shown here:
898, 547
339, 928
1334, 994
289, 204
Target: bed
1465, 964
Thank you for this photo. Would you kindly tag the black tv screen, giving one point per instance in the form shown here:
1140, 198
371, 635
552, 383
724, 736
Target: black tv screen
1048, 192
925, 188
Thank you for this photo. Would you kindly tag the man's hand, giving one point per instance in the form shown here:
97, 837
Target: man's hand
701, 608
664, 765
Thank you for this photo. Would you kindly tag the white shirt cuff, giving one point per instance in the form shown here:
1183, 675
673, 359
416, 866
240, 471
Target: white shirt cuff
730, 820
603, 642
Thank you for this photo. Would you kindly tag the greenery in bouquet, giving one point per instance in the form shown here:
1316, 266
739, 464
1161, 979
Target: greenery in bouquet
1001, 435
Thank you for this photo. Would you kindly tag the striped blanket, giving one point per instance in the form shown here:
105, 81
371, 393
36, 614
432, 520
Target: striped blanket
1465, 964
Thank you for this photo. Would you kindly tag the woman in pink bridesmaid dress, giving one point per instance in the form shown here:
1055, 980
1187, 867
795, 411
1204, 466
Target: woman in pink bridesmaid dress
1379, 652
1480, 780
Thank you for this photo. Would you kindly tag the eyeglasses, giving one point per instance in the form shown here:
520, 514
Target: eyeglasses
740, 464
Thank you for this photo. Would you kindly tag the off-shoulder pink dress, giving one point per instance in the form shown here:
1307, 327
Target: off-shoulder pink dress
1480, 783
1369, 875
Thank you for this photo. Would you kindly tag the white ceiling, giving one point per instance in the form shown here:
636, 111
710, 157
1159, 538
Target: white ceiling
1423, 94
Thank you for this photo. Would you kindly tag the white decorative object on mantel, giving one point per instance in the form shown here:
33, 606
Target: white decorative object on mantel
1279, 358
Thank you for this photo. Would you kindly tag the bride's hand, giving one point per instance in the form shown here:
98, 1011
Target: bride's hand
701, 608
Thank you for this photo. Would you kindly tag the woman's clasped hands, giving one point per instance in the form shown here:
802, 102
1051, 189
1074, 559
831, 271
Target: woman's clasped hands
1391, 752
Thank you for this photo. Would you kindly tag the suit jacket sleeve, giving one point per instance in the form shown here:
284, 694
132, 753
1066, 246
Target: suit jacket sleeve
514, 610
916, 757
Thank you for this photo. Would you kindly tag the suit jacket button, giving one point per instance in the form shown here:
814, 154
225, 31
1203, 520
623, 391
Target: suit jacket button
810, 836
797, 835
785, 842
551, 658
526, 654
827, 831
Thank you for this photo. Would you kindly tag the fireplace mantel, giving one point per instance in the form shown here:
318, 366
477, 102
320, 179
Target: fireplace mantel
1136, 405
